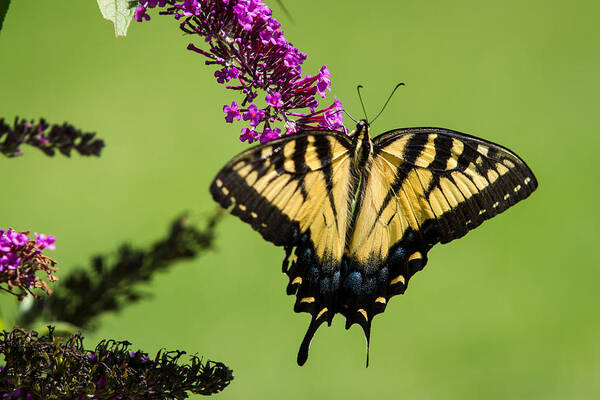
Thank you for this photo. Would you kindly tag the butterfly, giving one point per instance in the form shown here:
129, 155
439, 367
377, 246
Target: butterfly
357, 216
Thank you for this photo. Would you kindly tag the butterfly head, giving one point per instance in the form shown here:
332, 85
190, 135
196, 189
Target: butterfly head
362, 128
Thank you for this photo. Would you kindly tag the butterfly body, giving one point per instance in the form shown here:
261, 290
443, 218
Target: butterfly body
362, 148
357, 216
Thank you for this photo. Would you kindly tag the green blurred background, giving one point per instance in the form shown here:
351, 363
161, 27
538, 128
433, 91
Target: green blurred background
510, 311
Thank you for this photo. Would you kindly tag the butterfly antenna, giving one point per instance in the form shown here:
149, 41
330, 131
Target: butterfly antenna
348, 114
361, 102
388, 100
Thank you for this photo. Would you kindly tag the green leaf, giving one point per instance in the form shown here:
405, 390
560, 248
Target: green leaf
120, 12
3, 10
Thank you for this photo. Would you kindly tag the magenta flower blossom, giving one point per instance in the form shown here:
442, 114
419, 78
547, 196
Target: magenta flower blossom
274, 100
323, 81
330, 117
225, 75
140, 11
232, 112
140, 14
189, 8
233, 73
248, 135
270, 134
221, 75
254, 115
11, 239
45, 242
243, 38
21, 258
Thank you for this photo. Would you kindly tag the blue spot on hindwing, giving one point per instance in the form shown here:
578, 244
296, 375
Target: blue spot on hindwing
336, 280
398, 256
313, 275
353, 282
384, 275
305, 255
369, 286
326, 285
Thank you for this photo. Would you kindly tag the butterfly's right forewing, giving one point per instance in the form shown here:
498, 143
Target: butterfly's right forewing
424, 186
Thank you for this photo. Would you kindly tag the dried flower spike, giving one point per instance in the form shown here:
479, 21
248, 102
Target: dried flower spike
112, 281
20, 259
48, 138
248, 44
47, 367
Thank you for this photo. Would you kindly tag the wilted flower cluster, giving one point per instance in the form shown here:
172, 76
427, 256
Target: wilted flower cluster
47, 138
112, 282
20, 259
248, 44
50, 368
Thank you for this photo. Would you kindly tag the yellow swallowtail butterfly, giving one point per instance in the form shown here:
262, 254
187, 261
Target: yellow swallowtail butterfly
357, 216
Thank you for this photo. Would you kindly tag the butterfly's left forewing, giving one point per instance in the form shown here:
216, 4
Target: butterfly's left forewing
285, 188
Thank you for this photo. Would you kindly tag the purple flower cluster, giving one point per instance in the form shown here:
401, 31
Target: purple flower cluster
248, 44
20, 259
